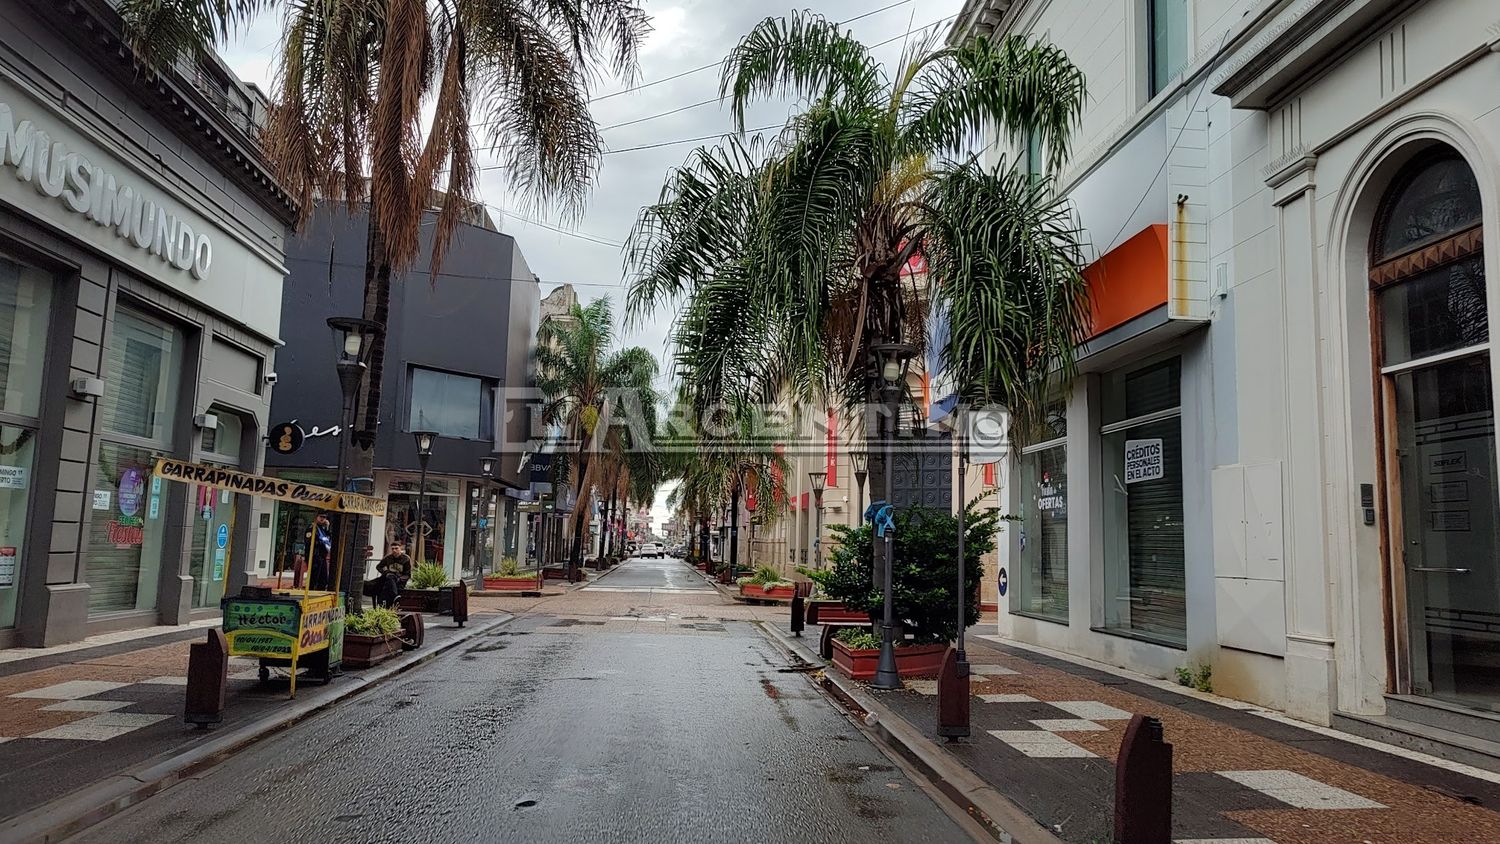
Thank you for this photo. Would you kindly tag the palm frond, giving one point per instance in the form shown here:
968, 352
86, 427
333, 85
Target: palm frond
801, 55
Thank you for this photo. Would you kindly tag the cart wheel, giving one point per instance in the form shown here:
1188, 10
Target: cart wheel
265, 674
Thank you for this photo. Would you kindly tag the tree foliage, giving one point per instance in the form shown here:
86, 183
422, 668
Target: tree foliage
925, 572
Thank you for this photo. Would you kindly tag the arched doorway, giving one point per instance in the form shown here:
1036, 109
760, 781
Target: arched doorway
1437, 415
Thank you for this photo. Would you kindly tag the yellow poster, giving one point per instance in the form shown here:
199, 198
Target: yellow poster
265, 487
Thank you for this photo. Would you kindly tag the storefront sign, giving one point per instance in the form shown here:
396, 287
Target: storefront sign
222, 539
264, 487
1144, 460
93, 193
132, 487
102, 498
12, 477
286, 437
7, 566
218, 564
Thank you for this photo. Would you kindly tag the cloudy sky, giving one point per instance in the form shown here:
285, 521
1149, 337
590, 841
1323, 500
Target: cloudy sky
687, 34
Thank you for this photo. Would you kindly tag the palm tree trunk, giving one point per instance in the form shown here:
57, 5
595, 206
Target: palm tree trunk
377, 308
575, 563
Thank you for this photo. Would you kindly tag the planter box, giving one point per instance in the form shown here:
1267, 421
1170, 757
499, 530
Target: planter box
419, 600
755, 591
911, 661
510, 584
833, 612
367, 651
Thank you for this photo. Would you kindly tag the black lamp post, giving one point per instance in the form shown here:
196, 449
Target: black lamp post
487, 471
819, 481
893, 359
953, 677
424, 440
353, 339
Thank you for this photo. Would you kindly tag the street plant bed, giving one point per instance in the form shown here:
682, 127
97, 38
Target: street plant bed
834, 612
418, 600
516, 583
911, 660
371, 637
768, 592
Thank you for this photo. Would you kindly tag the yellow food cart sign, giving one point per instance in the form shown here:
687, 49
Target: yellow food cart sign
264, 487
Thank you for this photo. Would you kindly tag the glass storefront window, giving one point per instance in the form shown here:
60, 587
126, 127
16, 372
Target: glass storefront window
453, 405
1041, 580
143, 372
16, 448
127, 506
126, 509
25, 301
440, 511
1144, 552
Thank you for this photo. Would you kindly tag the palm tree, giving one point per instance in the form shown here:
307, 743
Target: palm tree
585, 384
381, 102
787, 253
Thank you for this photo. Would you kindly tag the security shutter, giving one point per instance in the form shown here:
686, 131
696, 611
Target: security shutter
1154, 508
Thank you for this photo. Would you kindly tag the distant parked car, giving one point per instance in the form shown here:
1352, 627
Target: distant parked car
651, 549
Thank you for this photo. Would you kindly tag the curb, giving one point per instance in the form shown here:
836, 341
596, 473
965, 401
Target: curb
1001, 818
72, 813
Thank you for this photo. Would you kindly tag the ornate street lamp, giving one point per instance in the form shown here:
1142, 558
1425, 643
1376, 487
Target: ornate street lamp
424, 441
892, 361
859, 458
819, 481
354, 339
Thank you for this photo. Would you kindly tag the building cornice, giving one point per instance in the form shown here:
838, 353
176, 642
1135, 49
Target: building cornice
97, 30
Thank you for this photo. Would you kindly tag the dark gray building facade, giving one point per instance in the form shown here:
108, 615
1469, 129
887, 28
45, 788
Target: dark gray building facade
457, 344
141, 260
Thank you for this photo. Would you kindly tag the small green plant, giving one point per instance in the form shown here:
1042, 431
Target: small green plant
428, 576
508, 568
857, 639
375, 621
1200, 678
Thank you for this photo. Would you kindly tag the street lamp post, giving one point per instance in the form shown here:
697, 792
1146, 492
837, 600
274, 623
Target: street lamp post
894, 359
424, 440
353, 339
819, 481
953, 678
487, 471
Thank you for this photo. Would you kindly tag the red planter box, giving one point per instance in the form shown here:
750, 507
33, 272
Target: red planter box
833, 612
769, 593
510, 584
366, 651
911, 661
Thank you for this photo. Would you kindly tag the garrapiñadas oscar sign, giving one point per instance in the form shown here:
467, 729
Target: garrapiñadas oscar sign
263, 487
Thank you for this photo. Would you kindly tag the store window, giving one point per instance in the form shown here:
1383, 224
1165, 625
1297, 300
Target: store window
440, 512
211, 552
25, 303
453, 405
1436, 409
1167, 40
1041, 580
126, 504
1144, 555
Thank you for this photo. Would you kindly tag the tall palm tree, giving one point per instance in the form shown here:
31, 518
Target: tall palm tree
585, 385
381, 102
788, 252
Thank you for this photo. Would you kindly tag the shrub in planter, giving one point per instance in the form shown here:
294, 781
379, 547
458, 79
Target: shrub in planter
765, 582
427, 576
421, 592
857, 654
510, 577
370, 637
925, 572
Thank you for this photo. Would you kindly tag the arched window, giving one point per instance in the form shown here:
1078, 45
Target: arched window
1427, 267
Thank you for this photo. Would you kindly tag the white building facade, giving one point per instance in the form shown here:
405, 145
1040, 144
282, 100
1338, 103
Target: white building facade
1280, 459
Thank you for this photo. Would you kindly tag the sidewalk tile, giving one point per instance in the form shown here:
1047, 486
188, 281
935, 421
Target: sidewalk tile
101, 727
1092, 710
1040, 744
88, 705
1297, 790
167, 681
1012, 698
992, 670
1068, 725
71, 689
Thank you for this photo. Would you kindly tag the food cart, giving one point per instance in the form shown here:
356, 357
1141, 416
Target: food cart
294, 628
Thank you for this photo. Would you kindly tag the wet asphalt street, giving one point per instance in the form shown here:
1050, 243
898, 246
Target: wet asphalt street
652, 723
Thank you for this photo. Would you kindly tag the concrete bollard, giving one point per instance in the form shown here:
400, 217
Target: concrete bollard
799, 607
1143, 785
207, 681
461, 603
